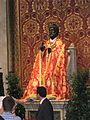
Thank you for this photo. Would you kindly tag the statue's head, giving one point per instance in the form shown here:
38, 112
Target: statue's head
53, 30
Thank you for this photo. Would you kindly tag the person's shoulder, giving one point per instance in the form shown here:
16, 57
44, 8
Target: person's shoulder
17, 118
47, 104
46, 101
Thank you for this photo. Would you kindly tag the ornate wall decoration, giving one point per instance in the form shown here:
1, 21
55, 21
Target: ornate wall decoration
88, 22
60, 4
72, 16
83, 52
50, 20
30, 27
83, 3
40, 6
24, 7
73, 23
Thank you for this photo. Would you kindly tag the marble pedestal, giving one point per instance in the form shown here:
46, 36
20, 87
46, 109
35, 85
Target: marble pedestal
58, 106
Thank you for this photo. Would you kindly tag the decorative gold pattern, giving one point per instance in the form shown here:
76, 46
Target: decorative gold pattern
73, 23
32, 19
88, 22
83, 47
83, 3
23, 7
40, 6
60, 4
30, 28
50, 20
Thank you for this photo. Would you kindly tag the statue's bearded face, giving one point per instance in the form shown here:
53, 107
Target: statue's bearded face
53, 31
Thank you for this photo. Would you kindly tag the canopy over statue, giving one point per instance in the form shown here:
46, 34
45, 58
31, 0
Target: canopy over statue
49, 68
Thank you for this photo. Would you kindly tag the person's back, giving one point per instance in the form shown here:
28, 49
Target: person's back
45, 110
8, 116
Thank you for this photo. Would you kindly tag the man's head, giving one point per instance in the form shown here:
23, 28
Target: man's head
8, 104
41, 91
53, 30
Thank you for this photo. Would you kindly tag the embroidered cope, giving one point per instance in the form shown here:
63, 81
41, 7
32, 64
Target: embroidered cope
49, 70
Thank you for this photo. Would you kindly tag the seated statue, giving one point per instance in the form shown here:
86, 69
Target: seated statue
49, 68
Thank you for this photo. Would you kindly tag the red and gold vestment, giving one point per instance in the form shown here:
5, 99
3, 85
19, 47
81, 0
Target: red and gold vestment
49, 70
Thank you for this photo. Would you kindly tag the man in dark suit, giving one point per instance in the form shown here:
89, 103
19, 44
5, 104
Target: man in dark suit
45, 110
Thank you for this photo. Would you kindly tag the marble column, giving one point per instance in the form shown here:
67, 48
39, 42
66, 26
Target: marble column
3, 42
71, 63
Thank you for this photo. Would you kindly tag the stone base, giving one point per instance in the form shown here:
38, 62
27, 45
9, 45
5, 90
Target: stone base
58, 106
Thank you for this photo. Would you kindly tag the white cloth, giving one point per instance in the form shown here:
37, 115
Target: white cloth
42, 100
1, 99
53, 40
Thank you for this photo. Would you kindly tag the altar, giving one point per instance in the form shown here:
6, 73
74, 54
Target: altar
59, 107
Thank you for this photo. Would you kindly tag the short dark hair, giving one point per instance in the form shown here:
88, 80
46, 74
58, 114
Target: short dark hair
41, 91
8, 103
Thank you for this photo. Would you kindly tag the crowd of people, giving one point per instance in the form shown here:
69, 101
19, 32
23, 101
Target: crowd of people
8, 109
